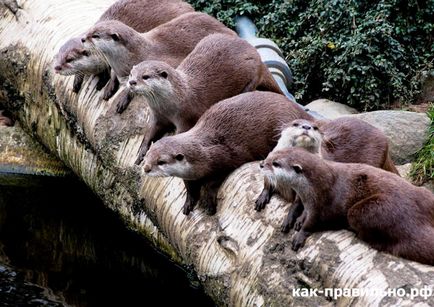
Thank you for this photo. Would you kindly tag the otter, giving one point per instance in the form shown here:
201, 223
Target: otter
225, 137
345, 139
141, 15
5, 120
383, 209
123, 47
178, 97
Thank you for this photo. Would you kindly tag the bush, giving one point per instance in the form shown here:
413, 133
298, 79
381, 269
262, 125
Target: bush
367, 54
422, 169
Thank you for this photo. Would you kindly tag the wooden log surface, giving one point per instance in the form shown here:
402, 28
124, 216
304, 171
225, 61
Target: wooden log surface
239, 255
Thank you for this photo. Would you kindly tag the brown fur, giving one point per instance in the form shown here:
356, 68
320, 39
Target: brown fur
382, 208
219, 67
170, 42
345, 139
141, 15
225, 137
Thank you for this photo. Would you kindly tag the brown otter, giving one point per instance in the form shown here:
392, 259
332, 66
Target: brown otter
383, 209
5, 120
178, 97
141, 15
123, 47
225, 137
344, 139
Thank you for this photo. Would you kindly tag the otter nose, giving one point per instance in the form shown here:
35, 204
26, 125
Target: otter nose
132, 82
58, 68
261, 164
147, 168
83, 39
306, 127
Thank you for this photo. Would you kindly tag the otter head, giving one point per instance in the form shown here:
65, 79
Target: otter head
301, 133
151, 78
286, 166
114, 42
73, 58
174, 156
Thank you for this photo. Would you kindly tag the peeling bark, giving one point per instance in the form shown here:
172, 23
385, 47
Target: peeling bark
239, 255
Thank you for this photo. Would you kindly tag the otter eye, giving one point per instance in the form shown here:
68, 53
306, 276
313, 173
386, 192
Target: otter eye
295, 125
69, 60
115, 37
145, 77
95, 36
85, 53
297, 168
315, 128
163, 74
276, 164
179, 157
161, 162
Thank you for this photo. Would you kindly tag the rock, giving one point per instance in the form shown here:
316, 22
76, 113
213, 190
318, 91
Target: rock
330, 109
407, 131
404, 170
22, 159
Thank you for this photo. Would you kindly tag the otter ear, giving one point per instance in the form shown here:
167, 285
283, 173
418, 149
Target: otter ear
297, 168
179, 157
115, 37
164, 74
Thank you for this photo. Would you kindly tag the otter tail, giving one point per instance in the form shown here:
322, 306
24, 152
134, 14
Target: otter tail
268, 83
388, 164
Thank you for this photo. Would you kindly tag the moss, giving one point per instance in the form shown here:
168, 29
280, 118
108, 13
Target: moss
422, 169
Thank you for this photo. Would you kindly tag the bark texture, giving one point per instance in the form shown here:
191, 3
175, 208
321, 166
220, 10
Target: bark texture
239, 255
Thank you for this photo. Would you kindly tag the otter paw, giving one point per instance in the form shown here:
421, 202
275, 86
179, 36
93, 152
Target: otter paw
210, 210
285, 227
299, 222
78, 81
187, 209
123, 103
298, 241
260, 203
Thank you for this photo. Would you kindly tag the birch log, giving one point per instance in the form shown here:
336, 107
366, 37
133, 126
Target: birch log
239, 255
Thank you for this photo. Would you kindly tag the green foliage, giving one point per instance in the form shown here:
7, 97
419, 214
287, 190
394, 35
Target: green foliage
422, 169
367, 54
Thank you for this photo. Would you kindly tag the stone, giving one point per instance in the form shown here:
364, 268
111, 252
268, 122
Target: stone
330, 109
22, 159
407, 131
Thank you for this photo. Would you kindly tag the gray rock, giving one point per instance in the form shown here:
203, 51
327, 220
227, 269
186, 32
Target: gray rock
330, 109
407, 131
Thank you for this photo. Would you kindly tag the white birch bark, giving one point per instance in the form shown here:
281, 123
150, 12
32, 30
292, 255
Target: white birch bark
239, 255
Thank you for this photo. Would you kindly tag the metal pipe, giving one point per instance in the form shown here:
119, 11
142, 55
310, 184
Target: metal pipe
271, 55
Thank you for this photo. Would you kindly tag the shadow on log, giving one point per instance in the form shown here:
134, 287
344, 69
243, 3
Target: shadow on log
239, 255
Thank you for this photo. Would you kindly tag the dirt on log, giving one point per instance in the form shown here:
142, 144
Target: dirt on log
239, 255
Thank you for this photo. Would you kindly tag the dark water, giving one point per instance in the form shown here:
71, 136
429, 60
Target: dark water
57, 234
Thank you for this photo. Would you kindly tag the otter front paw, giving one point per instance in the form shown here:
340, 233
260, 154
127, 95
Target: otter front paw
285, 227
187, 208
262, 201
299, 223
78, 81
142, 153
298, 241
110, 89
124, 101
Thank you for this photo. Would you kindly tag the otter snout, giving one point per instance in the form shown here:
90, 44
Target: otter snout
261, 164
57, 68
132, 82
147, 168
306, 127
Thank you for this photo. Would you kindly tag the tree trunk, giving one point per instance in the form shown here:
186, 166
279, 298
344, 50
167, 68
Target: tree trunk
239, 255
